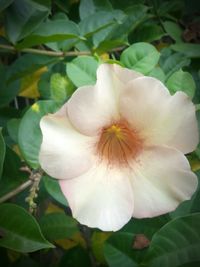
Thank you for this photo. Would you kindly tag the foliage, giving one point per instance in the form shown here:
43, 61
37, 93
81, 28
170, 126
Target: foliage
48, 49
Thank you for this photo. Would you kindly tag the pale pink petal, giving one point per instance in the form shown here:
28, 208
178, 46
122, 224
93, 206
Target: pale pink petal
93, 107
161, 119
101, 198
125, 75
161, 180
64, 153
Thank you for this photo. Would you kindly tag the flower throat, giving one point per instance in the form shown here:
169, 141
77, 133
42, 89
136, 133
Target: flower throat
118, 143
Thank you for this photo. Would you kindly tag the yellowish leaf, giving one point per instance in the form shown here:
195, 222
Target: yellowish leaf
104, 57
29, 84
75, 240
53, 208
98, 239
195, 164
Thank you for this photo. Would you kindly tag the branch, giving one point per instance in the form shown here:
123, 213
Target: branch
16, 191
52, 53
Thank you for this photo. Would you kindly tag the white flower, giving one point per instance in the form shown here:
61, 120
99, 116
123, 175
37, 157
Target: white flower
118, 148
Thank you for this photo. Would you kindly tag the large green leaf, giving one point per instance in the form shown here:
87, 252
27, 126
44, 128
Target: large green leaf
51, 31
118, 250
2, 152
177, 243
23, 17
58, 225
141, 57
19, 230
181, 81
54, 190
82, 70
29, 135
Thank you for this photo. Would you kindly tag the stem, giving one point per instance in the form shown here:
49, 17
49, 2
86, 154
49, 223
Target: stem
52, 53
16, 191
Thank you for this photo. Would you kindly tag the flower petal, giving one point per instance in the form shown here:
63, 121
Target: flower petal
63, 148
101, 198
161, 119
161, 179
92, 107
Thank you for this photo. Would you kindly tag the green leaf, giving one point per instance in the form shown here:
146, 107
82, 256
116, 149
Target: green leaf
147, 33
176, 243
54, 190
12, 127
125, 3
58, 87
157, 73
51, 31
118, 250
2, 151
141, 57
76, 257
4, 4
29, 135
82, 70
172, 62
8, 113
27, 64
8, 90
189, 50
89, 7
58, 225
96, 22
20, 231
147, 226
134, 16
23, 17
12, 176
181, 81
173, 30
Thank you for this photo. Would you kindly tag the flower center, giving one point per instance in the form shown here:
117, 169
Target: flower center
118, 143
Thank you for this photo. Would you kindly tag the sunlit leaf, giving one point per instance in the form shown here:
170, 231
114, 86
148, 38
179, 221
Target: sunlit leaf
141, 57
82, 70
